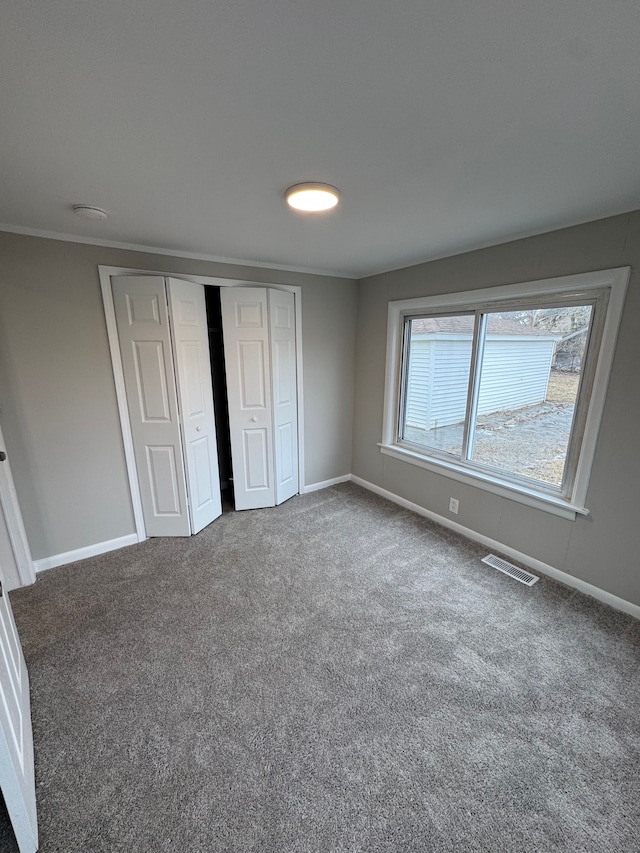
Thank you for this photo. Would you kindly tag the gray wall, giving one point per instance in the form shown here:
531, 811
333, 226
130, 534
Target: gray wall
59, 414
603, 548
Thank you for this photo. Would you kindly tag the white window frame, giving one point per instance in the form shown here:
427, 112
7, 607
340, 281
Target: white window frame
573, 287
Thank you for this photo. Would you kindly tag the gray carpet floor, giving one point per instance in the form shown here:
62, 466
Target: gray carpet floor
335, 674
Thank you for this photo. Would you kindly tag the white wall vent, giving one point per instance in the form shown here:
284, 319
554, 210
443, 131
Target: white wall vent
511, 570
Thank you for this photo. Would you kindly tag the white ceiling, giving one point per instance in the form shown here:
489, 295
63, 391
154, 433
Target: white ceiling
446, 124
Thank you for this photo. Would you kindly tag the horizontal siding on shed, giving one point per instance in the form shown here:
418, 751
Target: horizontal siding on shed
437, 392
418, 384
451, 382
515, 374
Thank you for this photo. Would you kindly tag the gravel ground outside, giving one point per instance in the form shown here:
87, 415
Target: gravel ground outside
530, 441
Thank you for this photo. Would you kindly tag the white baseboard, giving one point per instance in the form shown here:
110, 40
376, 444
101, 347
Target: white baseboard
537, 565
315, 487
525, 559
82, 553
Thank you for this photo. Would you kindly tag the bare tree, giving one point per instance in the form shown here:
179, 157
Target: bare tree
564, 320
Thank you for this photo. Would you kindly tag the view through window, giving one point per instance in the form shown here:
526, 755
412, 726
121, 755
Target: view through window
497, 390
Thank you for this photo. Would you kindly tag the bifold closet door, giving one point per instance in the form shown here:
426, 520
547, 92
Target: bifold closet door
147, 362
259, 344
282, 333
164, 346
245, 327
188, 313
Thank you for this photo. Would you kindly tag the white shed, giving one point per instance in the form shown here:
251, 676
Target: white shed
515, 372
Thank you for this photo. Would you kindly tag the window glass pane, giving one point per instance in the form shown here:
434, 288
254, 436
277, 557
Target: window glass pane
528, 389
437, 381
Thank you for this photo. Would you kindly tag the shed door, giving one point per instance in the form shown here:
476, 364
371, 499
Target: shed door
147, 362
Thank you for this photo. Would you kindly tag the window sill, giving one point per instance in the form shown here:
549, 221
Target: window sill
530, 497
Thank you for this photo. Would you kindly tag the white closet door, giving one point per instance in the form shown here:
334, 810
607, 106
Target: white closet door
282, 327
245, 326
15, 555
17, 778
195, 392
147, 361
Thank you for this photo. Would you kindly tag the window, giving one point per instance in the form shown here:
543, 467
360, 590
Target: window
504, 387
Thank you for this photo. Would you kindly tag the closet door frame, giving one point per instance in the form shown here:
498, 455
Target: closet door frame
105, 273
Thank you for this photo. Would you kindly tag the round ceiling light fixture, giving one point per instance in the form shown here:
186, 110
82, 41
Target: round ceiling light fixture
312, 198
88, 211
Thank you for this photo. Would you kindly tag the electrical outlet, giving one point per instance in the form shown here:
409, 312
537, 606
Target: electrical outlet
454, 503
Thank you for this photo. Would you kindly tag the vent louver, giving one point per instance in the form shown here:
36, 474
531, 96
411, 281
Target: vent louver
511, 570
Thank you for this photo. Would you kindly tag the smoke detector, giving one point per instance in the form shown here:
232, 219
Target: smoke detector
88, 211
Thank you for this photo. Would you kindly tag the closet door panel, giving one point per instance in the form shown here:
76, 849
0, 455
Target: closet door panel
247, 359
195, 394
285, 404
147, 361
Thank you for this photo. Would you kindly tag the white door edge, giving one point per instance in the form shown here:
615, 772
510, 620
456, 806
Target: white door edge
10, 508
17, 772
105, 273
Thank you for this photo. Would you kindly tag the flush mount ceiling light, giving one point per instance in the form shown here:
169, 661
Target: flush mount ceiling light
312, 198
88, 211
